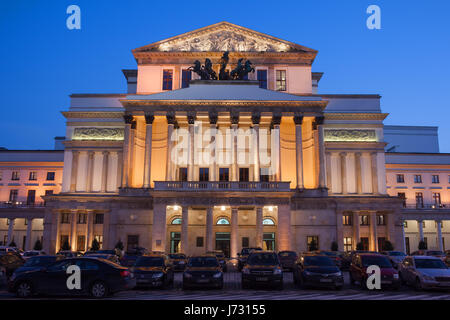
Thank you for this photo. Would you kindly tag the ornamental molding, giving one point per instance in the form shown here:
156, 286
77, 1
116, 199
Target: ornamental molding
109, 134
350, 135
322, 104
356, 116
92, 115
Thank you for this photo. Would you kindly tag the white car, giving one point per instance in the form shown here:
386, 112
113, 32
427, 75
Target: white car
425, 272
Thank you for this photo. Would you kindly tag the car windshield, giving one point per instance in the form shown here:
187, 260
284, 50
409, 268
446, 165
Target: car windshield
396, 254
39, 261
149, 262
264, 259
31, 254
430, 264
318, 261
382, 262
177, 256
203, 262
287, 254
435, 253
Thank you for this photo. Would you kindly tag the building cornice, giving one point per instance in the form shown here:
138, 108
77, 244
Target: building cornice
356, 116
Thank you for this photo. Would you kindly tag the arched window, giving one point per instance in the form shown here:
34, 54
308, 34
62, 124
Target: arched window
223, 221
176, 220
268, 221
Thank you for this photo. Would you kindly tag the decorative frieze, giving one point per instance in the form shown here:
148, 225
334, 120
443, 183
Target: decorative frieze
348, 135
111, 134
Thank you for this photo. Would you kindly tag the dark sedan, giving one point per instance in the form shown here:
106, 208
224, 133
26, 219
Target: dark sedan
178, 261
11, 261
37, 262
220, 257
153, 270
318, 271
243, 255
98, 278
203, 271
287, 259
262, 267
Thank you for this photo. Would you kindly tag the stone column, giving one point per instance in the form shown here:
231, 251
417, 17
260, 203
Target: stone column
340, 230
191, 150
29, 244
259, 227
105, 171
169, 165
234, 232
67, 171
89, 233
298, 120
74, 173
358, 172
373, 157
11, 230
149, 118
184, 229
213, 117
284, 228
373, 231
256, 118
275, 151
439, 234
132, 153
159, 227
209, 229
356, 232
234, 130
106, 231
328, 156
390, 226
319, 122
90, 171
73, 231
420, 224
343, 156
126, 151
403, 237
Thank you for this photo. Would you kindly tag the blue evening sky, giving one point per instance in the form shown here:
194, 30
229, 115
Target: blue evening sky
42, 62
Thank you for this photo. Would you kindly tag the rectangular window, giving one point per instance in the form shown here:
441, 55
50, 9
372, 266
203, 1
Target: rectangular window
405, 224
262, 78
312, 243
99, 239
417, 178
1, 176
33, 176
402, 196
81, 243
281, 80
48, 193
400, 178
419, 199
243, 174
365, 243
245, 242
182, 174
82, 218
98, 218
31, 197
364, 220
50, 176
408, 249
381, 242
13, 195
203, 174
65, 217
167, 79
347, 219
264, 175
186, 76
348, 244
435, 178
132, 242
224, 174
436, 198
64, 239
199, 242
381, 220
15, 175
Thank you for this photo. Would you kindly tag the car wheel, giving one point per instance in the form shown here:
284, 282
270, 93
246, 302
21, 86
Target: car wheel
418, 285
99, 290
24, 290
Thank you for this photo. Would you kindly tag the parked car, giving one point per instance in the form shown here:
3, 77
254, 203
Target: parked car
37, 262
128, 260
425, 272
99, 278
433, 253
287, 259
110, 252
153, 270
139, 251
4, 249
32, 253
396, 257
3, 278
336, 256
221, 258
69, 254
243, 255
203, 271
360, 263
447, 258
317, 271
178, 261
11, 260
110, 257
262, 267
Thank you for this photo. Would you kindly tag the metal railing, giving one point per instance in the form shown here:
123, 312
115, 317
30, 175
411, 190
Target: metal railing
221, 186
10, 204
428, 206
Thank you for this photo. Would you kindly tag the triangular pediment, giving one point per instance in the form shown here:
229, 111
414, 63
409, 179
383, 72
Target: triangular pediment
223, 36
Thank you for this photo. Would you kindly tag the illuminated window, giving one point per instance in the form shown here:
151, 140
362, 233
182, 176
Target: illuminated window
347, 219
347, 244
364, 220
381, 220
419, 199
435, 178
268, 221
281, 80
417, 178
82, 218
13, 194
65, 217
223, 221
15, 175
33, 176
437, 198
177, 220
167, 79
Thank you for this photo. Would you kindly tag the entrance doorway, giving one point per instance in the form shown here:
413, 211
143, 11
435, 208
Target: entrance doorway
365, 244
175, 242
223, 242
269, 241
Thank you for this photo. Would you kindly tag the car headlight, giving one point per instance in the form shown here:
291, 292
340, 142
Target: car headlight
395, 275
277, 271
187, 275
158, 275
246, 270
181, 262
337, 274
217, 275
307, 273
428, 277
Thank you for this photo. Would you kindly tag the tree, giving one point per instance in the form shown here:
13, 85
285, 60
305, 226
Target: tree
13, 244
422, 245
95, 245
119, 245
387, 246
359, 246
37, 245
65, 246
334, 246
313, 245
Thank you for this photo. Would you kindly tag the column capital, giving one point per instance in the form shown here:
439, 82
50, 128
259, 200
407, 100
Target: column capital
191, 117
358, 154
298, 119
213, 117
319, 120
149, 118
133, 125
343, 154
256, 118
105, 152
276, 119
234, 117
128, 118
170, 118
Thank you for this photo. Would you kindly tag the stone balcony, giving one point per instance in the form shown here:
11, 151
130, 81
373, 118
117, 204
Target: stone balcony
249, 186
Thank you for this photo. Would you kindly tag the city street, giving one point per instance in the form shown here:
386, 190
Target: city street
232, 291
